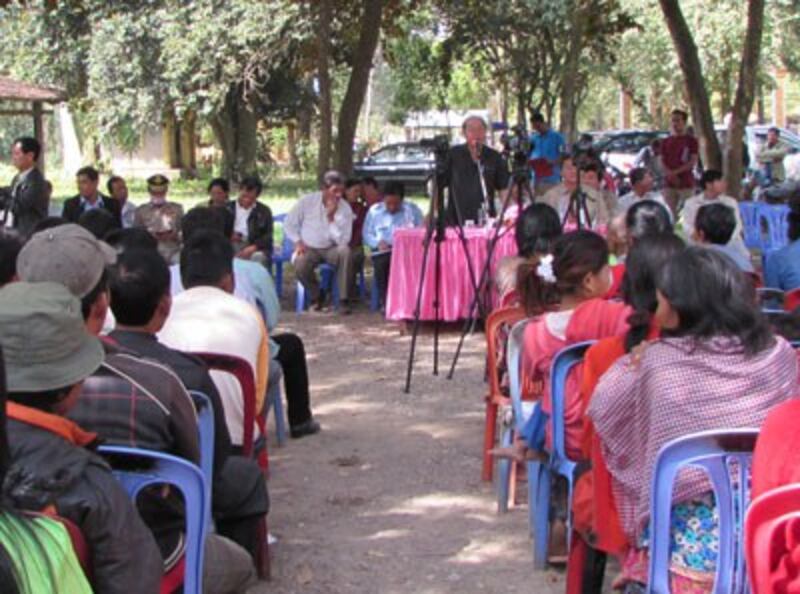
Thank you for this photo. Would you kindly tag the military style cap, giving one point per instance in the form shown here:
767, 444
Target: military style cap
67, 254
44, 339
157, 182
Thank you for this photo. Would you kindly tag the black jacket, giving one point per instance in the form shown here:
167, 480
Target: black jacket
259, 226
46, 469
72, 210
29, 203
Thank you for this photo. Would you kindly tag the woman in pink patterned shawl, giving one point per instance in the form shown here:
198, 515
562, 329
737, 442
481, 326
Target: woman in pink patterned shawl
716, 365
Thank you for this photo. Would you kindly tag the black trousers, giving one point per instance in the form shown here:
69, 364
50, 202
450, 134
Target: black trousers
292, 359
380, 265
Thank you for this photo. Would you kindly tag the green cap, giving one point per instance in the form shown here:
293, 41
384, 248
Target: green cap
44, 339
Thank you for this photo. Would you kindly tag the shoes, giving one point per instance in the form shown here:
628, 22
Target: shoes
319, 305
310, 427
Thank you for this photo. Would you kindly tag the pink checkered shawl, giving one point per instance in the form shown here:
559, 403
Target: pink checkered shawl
681, 387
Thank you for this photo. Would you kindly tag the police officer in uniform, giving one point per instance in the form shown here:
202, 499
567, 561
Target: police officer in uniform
161, 218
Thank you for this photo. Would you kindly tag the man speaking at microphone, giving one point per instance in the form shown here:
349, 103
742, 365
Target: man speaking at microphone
475, 174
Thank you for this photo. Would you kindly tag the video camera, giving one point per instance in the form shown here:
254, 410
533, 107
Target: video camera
440, 144
518, 142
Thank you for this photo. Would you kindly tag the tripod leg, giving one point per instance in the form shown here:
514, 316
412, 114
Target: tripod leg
418, 309
436, 304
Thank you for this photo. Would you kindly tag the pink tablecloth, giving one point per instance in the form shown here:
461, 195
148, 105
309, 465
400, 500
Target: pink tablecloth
456, 293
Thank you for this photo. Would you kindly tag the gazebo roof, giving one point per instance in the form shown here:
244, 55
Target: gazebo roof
17, 90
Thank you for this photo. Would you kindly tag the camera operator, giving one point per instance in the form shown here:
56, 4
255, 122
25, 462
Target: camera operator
26, 202
475, 173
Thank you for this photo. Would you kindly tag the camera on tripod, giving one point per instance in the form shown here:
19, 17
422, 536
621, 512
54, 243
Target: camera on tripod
517, 144
440, 144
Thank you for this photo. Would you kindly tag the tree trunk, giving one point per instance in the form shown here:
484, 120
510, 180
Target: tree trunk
694, 83
369, 33
324, 77
745, 95
569, 80
234, 127
291, 147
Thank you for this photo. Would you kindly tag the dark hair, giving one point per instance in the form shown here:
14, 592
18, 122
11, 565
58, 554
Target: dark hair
712, 297
219, 182
206, 259
681, 113
575, 255
98, 221
537, 227
637, 174
48, 223
775, 129
592, 165
10, 246
111, 181
205, 218
88, 300
394, 188
646, 217
252, 183
566, 157
89, 172
709, 177
138, 283
537, 118
642, 265
28, 144
131, 238
351, 183
370, 181
716, 222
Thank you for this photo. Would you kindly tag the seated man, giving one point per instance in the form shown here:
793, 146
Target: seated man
141, 302
321, 225
641, 189
48, 353
89, 198
382, 219
118, 189
782, 268
219, 191
354, 194
714, 225
253, 284
10, 246
161, 218
252, 227
206, 317
98, 222
561, 196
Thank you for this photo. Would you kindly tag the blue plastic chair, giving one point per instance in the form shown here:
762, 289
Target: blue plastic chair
205, 427
776, 217
189, 480
751, 223
278, 258
328, 282
714, 451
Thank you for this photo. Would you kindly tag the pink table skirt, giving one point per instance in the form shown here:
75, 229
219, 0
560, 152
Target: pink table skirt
456, 293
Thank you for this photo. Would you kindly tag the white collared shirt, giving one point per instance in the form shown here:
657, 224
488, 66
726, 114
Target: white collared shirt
308, 222
240, 223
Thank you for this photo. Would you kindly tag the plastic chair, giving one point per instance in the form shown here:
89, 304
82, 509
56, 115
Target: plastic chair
243, 373
714, 451
751, 224
275, 401
776, 217
186, 478
770, 300
495, 398
791, 300
765, 533
205, 427
278, 258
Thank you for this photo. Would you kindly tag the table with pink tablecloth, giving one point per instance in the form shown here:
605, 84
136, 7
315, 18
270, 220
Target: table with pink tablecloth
456, 292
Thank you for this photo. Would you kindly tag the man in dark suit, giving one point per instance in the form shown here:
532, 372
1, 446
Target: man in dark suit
252, 229
27, 201
89, 198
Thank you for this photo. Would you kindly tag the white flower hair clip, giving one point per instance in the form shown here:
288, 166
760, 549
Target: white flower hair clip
545, 269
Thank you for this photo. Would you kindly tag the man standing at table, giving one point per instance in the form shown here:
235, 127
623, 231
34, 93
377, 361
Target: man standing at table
321, 225
475, 174
382, 219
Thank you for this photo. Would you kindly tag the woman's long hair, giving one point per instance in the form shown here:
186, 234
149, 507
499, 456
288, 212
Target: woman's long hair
713, 297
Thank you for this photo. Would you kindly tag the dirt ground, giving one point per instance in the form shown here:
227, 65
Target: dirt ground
388, 498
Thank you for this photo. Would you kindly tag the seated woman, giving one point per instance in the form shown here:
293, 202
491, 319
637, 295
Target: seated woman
563, 294
595, 518
782, 268
36, 554
535, 231
716, 364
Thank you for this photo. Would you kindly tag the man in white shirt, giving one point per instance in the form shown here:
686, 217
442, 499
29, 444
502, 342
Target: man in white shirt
641, 189
320, 225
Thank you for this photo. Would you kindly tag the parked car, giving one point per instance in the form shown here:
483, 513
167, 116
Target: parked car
619, 148
407, 162
756, 136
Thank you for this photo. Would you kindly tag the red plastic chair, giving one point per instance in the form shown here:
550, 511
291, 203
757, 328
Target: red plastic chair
496, 397
243, 372
792, 300
772, 540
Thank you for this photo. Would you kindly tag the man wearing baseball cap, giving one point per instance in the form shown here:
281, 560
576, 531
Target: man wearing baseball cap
161, 218
48, 354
